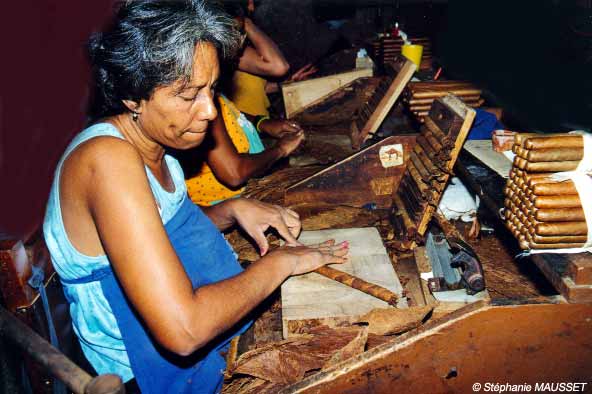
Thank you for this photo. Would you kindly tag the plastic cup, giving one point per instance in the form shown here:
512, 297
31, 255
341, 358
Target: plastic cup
413, 53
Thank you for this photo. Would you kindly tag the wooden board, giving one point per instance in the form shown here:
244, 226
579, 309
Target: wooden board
360, 179
313, 299
300, 95
370, 117
483, 151
556, 269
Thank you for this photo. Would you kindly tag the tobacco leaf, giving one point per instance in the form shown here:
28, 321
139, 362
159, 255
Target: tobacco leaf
355, 347
288, 361
319, 216
250, 385
390, 321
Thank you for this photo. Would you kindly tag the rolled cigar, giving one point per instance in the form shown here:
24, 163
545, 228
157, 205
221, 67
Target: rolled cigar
432, 167
416, 162
409, 224
554, 154
551, 166
421, 185
550, 189
561, 228
429, 101
521, 137
521, 152
544, 177
456, 92
435, 129
520, 162
564, 201
533, 245
359, 284
560, 215
559, 239
565, 141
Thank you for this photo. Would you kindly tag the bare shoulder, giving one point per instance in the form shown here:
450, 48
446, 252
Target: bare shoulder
101, 161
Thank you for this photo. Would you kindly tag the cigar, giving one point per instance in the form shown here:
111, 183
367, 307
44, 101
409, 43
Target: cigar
521, 137
565, 141
559, 239
551, 166
551, 189
409, 224
533, 245
435, 129
554, 154
359, 284
421, 185
560, 215
561, 228
564, 201
456, 92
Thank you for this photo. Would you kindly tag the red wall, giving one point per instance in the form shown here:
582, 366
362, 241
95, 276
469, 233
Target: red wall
43, 92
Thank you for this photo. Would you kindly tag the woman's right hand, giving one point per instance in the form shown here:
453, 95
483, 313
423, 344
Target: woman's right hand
305, 259
289, 142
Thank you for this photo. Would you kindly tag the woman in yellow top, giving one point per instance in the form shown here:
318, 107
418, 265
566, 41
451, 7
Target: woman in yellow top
261, 59
235, 154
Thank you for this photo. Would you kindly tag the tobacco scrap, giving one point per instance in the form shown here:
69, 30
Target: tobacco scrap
355, 347
391, 321
288, 361
319, 216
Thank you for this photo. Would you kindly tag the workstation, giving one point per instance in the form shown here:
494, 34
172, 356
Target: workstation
455, 187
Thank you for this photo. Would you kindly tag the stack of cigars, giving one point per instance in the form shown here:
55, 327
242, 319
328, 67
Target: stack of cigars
385, 49
543, 213
419, 96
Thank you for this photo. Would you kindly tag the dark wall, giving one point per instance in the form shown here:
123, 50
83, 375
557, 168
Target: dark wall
534, 57
44, 78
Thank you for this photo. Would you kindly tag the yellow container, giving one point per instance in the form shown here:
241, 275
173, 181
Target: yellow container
413, 53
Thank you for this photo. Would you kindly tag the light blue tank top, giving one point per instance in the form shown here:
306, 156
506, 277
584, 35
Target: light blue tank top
92, 318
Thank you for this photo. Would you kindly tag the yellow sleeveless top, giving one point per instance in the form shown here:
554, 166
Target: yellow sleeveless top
204, 188
248, 94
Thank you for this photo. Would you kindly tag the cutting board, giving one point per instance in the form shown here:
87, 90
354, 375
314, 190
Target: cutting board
312, 299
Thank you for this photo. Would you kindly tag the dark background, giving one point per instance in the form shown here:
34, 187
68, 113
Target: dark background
533, 58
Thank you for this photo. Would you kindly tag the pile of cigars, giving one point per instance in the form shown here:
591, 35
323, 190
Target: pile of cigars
419, 96
428, 169
543, 213
386, 48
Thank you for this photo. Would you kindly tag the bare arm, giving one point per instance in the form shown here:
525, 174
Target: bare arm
264, 58
121, 204
234, 169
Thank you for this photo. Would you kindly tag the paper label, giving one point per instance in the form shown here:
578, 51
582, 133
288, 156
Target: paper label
391, 155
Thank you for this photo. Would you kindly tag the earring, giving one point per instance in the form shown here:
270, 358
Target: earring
135, 116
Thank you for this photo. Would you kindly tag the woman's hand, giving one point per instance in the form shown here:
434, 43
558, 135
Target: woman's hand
290, 142
255, 217
303, 73
277, 128
305, 259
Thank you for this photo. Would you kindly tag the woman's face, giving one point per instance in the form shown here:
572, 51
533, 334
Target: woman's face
179, 118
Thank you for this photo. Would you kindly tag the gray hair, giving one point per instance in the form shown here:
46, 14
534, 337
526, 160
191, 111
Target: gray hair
151, 43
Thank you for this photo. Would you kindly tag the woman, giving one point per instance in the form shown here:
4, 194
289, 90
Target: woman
155, 291
233, 154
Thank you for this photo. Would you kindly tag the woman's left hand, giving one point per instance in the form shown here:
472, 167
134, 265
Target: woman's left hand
255, 217
277, 128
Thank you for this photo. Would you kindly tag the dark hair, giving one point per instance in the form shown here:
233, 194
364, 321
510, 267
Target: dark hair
150, 44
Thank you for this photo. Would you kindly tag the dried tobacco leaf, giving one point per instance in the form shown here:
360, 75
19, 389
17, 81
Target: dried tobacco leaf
355, 347
390, 321
288, 361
